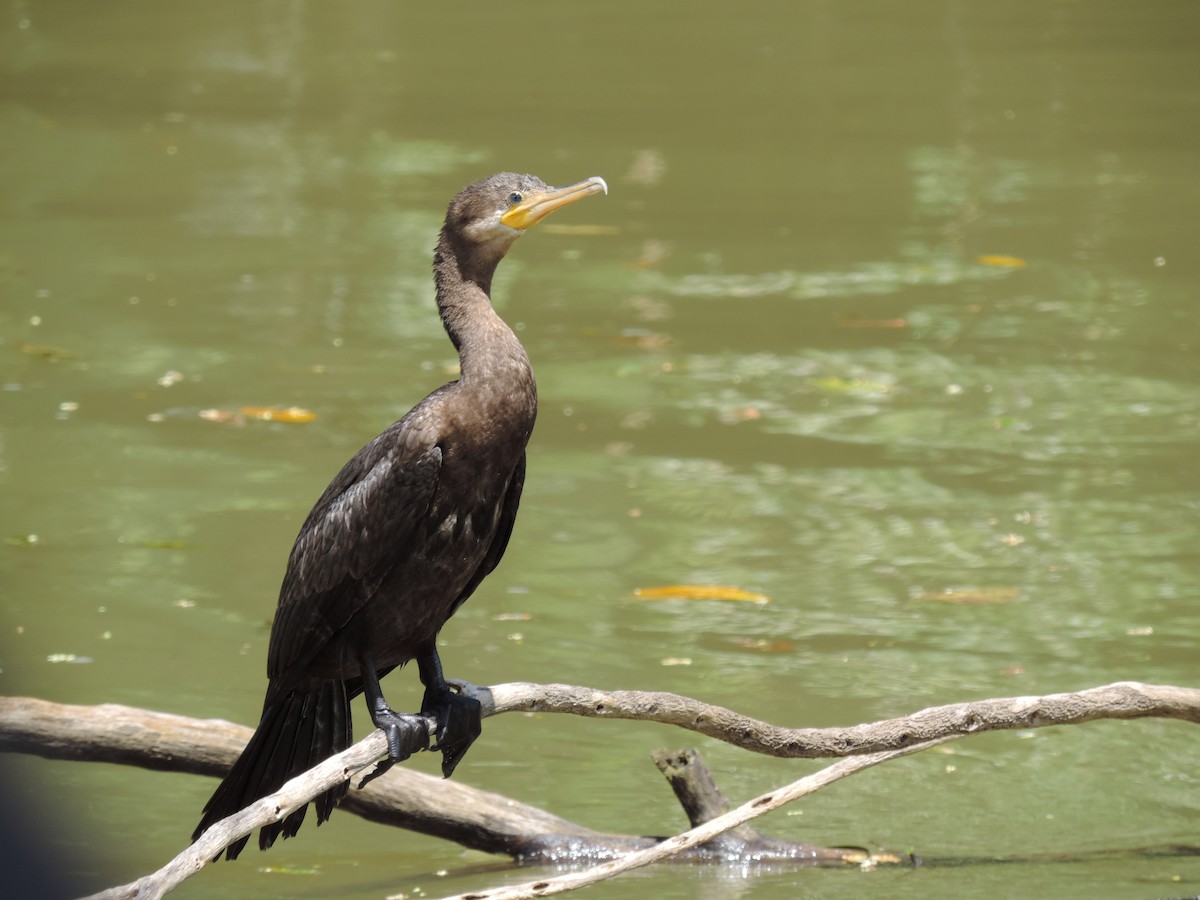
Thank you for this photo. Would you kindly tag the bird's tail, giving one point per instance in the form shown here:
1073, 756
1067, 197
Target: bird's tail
295, 733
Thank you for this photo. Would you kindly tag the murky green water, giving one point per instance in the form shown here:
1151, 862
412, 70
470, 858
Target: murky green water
886, 301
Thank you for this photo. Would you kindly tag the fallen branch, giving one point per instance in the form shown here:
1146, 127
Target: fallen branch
1122, 700
277, 806
701, 834
113, 733
479, 820
157, 740
474, 818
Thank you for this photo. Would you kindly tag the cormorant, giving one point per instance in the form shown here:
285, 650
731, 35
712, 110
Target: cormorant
405, 532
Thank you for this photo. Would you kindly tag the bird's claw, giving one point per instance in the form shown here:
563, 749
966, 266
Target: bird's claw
406, 735
459, 723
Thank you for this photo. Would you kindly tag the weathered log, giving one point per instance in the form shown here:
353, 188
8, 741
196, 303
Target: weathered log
496, 824
474, 818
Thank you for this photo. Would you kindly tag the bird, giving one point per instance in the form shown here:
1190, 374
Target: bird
404, 533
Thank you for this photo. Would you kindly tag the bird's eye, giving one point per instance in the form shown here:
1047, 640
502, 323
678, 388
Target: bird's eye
514, 198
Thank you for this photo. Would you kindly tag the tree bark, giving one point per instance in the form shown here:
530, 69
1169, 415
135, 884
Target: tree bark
1121, 700
489, 822
477, 819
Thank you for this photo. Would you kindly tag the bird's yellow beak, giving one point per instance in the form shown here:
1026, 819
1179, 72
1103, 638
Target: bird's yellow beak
535, 206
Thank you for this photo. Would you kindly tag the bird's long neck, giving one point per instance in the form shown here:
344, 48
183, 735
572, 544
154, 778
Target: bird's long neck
490, 355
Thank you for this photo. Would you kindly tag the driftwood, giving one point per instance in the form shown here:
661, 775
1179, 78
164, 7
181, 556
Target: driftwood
488, 822
477, 819
701, 834
155, 740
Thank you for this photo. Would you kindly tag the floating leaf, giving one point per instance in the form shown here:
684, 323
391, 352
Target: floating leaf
973, 596
835, 384
763, 645
1001, 262
585, 230
295, 415
289, 870
292, 415
45, 351
166, 544
699, 592
741, 414
856, 322
643, 339
21, 540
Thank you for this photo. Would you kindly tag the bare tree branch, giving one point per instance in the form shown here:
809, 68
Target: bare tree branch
291, 796
120, 734
1122, 700
701, 834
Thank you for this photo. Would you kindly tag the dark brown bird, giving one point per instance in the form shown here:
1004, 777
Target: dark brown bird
404, 533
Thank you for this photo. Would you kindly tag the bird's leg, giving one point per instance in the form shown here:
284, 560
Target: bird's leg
459, 718
406, 734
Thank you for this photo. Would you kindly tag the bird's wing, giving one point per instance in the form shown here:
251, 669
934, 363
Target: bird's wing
504, 529
368, 514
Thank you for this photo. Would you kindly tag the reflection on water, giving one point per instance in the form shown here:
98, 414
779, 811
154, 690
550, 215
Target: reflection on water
891, 314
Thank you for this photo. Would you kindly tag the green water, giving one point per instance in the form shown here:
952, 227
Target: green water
886, 300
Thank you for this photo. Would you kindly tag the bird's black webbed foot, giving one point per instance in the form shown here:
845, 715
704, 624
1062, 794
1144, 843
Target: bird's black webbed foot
406, 735
459, 717
459, 722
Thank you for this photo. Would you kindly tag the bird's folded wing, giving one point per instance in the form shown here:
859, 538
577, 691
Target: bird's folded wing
365, 520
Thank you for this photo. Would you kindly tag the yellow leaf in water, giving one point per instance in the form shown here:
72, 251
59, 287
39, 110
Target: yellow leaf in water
290, 870
973, 596
699, 592
836, 384
853, 321
46, 351
585, 230
1002, 262
644, 340
763, 645
294, 415
744, 414
157, 544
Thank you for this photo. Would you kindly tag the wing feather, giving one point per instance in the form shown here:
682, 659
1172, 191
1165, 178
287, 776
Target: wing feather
504, 529
361, 523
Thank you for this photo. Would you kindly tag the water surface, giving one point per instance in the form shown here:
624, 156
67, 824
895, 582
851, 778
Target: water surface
888, 307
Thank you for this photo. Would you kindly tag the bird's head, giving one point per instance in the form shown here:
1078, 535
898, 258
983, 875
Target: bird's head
494, 212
